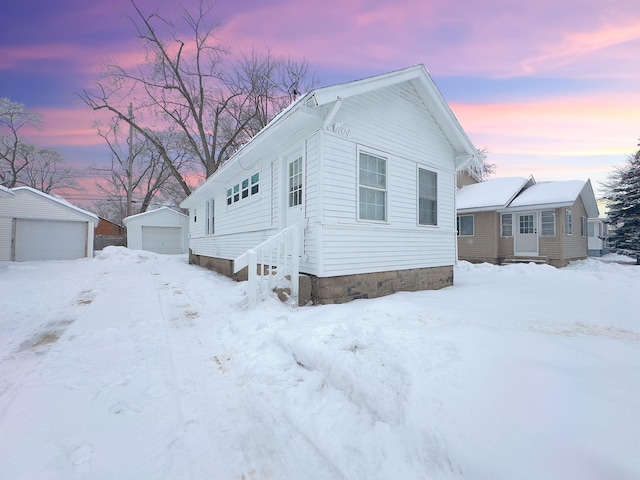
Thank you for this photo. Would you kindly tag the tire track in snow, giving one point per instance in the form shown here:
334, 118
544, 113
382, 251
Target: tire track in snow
248, 434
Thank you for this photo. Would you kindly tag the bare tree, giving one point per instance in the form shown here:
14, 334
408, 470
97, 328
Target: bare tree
187, 86
488, 169
14, 117
137, 175
45, 169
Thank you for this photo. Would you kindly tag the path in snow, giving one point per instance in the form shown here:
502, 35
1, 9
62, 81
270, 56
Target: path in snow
131, 355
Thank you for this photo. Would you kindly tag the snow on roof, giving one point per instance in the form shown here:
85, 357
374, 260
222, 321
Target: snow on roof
548, 193
57, 199
495, 193
151, 212
5, 191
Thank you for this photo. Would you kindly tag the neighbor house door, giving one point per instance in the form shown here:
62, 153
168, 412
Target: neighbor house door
526, 234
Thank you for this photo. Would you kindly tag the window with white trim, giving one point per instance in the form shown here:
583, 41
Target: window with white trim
211, 217
465, 225
547, 223
372, 192
583, 226
295, 182
506, 225
567, 222
427, 197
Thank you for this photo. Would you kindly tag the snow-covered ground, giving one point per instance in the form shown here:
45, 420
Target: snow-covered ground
133, 365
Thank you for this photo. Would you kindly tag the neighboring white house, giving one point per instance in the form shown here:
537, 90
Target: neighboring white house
161, 231
37, 226
366, 169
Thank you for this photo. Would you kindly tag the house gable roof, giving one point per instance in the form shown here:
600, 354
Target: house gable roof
322, 103
490, 195
55, 199
556, 195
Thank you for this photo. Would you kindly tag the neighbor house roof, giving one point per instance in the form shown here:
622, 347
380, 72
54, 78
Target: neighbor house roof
491, 194
555, 195
56, 199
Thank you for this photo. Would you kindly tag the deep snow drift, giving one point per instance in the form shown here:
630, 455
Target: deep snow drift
133, 365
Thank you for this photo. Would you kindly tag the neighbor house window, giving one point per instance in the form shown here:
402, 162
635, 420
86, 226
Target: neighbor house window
465, 225
506, 225
583, 226
428, 198
372, 181
295, 182
567, 222
210, 212
547, 223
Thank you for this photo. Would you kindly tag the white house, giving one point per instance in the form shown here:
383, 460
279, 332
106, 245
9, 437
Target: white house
161, 231
366, 169
37, 226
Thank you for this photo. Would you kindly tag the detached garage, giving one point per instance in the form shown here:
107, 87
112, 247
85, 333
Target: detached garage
37, 226
160, 231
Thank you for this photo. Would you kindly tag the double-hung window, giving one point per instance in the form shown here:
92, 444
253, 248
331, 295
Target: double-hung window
295, 182
547, 223
211, 217
372, 182
427, 197
506, 225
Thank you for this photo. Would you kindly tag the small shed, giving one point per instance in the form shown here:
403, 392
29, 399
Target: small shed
37, 226
161, 231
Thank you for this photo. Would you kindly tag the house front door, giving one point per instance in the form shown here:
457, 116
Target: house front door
526, 235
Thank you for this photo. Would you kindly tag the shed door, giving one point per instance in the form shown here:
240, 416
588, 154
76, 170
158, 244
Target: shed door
162, 239
49, 240
527, 235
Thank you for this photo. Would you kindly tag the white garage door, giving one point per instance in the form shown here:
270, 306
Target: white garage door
49, 240
162, 239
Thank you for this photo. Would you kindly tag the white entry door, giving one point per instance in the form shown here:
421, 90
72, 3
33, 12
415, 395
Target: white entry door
526, 234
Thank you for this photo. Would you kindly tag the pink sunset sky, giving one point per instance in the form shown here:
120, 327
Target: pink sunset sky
551, 88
